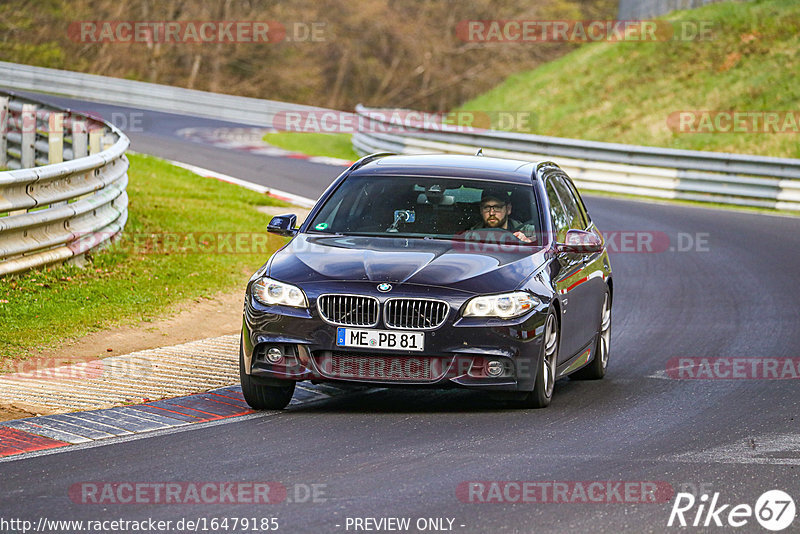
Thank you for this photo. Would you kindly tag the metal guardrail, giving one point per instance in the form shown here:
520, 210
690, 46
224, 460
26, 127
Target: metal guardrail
717, 177
74, 201
635, 170
143, 95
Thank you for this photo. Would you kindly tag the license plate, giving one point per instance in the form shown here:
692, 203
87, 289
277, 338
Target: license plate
380, 339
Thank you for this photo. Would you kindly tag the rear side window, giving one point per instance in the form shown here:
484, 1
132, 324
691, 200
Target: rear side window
557, 212
575, 216
579, 200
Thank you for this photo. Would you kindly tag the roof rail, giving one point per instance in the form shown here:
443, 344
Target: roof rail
369, 157
541, 165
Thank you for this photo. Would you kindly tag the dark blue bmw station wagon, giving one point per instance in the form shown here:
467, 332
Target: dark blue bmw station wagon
432, 271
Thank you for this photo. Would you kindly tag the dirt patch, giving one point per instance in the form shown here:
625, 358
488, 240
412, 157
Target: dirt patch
189, 321
20, 411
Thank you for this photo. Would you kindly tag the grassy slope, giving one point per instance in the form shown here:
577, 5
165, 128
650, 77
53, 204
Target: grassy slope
624, 92
127, 283
314, 144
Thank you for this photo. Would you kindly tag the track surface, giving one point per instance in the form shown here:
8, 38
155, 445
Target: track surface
401, 453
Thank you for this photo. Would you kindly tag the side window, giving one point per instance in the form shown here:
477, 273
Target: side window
579, 201
557, 212
574, 214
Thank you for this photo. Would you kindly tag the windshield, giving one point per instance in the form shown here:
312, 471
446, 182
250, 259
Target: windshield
438, 208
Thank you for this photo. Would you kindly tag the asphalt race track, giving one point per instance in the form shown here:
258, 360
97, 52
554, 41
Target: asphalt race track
404, 453
155, 133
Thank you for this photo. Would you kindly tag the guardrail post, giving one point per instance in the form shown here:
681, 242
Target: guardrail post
27, 149
79, 260
55, 138
80, 139
3, 132
40, 193
108, 139
95, 137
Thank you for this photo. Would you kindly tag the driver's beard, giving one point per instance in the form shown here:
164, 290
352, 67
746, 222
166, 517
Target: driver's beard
502, 224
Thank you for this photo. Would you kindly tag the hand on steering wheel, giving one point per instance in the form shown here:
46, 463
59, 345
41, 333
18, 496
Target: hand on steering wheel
522, 237
518, 234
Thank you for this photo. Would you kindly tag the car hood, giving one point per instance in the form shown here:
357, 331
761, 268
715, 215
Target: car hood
473, 267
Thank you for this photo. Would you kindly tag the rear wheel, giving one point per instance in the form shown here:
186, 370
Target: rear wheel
543, 387
596, 369
260, 396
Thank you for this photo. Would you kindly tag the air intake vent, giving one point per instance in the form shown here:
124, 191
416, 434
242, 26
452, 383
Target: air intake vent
415, 314
349, 310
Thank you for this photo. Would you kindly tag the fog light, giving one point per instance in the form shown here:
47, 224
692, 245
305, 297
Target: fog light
274, 355
494, 368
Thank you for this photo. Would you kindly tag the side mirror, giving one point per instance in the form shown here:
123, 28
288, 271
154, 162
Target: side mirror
283, 225
580, 242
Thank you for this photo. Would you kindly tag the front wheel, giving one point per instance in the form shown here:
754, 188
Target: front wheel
543, 387
262, 397
596, 369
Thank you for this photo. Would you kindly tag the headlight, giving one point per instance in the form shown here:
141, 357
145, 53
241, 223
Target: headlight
270, 292
505, 305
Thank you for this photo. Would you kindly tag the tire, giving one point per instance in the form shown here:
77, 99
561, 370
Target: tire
543, 387
596, 369
262, 397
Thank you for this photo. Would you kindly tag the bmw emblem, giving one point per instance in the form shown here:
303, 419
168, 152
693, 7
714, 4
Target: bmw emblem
384, 287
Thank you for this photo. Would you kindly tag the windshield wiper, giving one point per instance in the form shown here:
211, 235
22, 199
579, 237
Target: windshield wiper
385, 234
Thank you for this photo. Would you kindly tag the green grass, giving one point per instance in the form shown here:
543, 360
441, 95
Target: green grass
624, 92
314, 144
138, 277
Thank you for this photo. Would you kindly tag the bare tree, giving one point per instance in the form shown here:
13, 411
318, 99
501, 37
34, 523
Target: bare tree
378, 52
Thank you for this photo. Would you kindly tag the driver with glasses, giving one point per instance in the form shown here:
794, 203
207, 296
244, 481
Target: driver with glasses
495, 209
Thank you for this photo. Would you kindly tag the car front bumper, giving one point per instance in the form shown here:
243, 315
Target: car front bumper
456, 354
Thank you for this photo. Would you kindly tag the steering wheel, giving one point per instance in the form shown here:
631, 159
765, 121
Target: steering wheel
504, 231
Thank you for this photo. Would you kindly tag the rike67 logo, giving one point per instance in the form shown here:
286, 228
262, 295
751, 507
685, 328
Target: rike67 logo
774, 510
